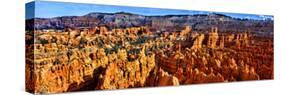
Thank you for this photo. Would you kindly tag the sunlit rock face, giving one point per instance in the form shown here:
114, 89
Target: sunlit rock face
197, 44
213, 37
124, 74
165, 79
101, 58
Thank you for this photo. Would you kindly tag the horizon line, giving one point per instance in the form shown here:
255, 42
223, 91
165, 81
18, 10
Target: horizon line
53, 9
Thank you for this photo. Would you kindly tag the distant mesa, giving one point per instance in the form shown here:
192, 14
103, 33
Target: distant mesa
202, 22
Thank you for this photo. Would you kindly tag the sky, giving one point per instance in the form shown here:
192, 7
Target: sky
49, 9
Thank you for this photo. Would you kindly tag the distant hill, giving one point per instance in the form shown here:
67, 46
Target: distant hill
162, 23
